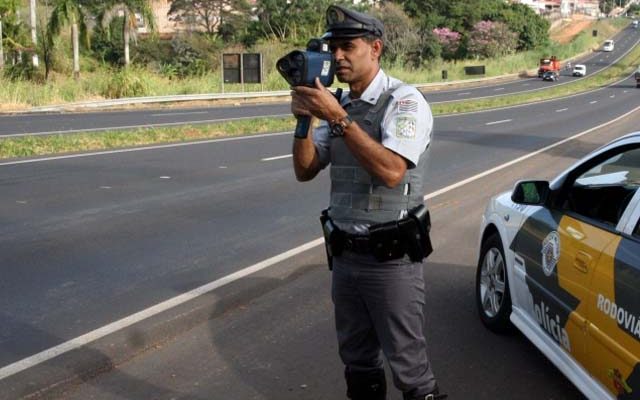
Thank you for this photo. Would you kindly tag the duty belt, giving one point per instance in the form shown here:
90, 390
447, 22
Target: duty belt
387, 241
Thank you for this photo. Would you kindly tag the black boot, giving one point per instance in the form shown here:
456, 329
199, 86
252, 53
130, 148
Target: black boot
433, 395
369, 385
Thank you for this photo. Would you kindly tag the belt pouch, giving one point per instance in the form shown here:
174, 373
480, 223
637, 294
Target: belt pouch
386, 241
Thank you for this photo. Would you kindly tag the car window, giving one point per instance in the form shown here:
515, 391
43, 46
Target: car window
604, 191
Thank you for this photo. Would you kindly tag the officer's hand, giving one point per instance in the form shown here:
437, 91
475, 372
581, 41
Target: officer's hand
317, 101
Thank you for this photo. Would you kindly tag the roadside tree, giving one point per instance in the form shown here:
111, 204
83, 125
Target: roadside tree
68, 13
491, 39
129, 10
210, 15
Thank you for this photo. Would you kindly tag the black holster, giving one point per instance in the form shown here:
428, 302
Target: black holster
333, 238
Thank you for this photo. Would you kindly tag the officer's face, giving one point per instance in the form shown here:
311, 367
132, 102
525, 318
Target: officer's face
356, 58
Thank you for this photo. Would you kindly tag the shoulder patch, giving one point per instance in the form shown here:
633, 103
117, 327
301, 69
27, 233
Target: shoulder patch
407, 105
406, 127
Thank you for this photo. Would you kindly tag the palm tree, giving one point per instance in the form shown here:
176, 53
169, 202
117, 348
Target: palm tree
68, 12
129, 9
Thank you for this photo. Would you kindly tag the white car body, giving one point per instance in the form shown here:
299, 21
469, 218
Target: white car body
537, 320
579, 70
608, 45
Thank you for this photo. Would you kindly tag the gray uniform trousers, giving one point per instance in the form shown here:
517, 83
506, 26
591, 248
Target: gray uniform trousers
379, 306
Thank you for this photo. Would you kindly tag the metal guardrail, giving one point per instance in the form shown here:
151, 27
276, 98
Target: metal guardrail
101, 104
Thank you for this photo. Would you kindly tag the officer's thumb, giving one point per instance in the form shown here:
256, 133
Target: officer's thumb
319, 84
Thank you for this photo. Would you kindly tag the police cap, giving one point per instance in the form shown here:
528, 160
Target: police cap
345, 23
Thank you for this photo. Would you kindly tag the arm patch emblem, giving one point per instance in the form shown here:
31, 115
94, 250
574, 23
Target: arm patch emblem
405, 127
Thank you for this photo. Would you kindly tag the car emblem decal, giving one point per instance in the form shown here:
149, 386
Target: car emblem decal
550, 252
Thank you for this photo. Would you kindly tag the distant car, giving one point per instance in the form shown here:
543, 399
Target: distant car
608, 45
560, 261
634, 23
579, 70
550, 76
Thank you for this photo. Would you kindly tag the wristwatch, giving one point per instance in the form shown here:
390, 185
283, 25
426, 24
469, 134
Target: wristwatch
337, 126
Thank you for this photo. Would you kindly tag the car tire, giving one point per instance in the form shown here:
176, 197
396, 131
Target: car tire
492, 286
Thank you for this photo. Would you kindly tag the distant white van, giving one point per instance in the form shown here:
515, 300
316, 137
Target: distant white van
634, 23
579, 70
608, 45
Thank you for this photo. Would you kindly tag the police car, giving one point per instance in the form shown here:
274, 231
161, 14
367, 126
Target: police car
560, 261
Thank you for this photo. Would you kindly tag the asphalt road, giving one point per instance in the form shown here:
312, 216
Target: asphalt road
20, 125
281, 345
88, 240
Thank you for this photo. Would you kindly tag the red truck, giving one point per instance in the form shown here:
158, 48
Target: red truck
548, 64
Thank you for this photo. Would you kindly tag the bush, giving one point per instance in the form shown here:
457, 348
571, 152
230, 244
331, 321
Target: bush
124, 83
21, 71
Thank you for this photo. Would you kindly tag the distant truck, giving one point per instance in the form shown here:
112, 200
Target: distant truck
548, 64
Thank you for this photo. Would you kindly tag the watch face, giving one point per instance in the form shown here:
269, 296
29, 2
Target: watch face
337, 130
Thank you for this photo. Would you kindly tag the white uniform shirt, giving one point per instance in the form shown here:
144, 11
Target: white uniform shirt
406, 127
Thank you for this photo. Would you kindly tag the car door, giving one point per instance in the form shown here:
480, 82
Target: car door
613, 334
556, 252
559, 247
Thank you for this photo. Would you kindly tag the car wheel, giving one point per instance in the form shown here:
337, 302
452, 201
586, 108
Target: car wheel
492, 286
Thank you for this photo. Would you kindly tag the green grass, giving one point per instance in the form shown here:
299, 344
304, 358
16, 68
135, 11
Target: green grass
31, 146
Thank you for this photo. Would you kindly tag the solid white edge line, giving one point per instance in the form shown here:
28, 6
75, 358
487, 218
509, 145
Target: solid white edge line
277, 157
171, 114
99, 333
562, 109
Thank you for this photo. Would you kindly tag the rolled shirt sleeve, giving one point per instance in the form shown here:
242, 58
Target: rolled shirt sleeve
407, 124
322, 142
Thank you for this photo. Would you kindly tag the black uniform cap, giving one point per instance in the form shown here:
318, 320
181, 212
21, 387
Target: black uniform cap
345, 23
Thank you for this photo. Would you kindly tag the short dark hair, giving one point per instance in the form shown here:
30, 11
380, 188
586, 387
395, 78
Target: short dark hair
370, 38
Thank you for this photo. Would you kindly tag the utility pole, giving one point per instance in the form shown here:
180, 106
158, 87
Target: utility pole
34, 35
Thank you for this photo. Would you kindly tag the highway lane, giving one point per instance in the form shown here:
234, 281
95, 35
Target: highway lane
85, 241
281, 345
596, 61
19, 125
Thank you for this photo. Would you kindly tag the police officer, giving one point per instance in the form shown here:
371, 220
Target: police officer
376, 138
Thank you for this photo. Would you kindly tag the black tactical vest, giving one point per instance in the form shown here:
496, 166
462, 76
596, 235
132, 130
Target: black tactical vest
357, 197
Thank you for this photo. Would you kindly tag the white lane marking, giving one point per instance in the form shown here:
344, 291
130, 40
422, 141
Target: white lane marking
525, 84
165, 177
562, 110
499, 122
162, 146
21, 201
277, 157
105, 187
124, 127
179, 113
87, 338
625, 91
593, 102
223, 167
612, 96
462, 94
497, 89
